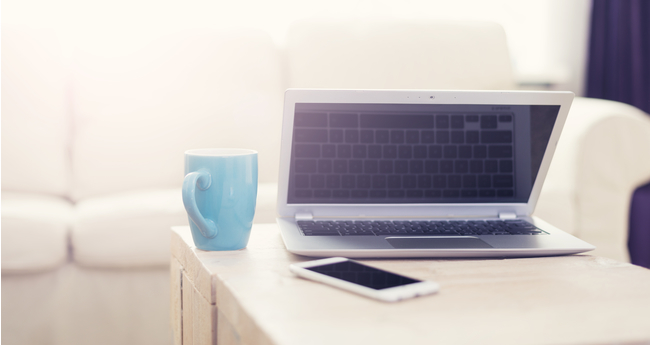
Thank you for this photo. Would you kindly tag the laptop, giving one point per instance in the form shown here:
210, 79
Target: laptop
417, 173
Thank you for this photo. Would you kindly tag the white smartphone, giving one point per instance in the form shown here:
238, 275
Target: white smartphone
362, 279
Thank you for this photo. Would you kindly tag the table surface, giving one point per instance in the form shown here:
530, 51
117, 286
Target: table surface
577, 299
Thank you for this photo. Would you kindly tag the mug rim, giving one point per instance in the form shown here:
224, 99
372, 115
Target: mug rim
217, 152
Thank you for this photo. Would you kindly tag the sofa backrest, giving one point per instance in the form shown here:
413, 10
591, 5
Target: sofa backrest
97, 125
135, 114
35, 113
379, 54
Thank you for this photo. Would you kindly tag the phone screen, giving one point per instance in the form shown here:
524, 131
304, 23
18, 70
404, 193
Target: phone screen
360, 274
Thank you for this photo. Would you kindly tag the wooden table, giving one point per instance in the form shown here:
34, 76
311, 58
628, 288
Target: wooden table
250, 297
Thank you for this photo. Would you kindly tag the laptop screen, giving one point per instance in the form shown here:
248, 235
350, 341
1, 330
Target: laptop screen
350, 153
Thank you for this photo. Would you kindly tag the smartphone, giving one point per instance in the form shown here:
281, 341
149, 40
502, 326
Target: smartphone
365, 280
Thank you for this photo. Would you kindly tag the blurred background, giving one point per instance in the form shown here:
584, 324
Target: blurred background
547, 38
101, 98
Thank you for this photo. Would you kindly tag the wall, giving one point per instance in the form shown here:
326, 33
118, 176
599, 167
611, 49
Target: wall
548, 38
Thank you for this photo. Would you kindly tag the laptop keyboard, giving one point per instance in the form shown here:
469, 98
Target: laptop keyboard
418, 228
372, 158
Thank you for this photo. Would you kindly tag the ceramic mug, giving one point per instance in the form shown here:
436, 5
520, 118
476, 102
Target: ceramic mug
219, 194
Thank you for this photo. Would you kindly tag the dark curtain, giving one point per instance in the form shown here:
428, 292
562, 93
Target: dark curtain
619, 52
638, 241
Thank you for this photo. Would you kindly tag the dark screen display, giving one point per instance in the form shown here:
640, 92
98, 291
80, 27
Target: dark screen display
417, 153
367, 276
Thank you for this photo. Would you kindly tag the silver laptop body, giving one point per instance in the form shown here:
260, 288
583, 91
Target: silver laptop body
417, 173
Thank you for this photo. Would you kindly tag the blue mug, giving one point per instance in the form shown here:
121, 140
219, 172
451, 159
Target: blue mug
219, 194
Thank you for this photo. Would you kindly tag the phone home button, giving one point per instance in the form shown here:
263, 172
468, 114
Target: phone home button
436, 242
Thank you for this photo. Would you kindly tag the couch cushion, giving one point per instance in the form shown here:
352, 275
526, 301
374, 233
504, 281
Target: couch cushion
136, 113
34, 231
35, 116
126, 229
132, 229
398, 55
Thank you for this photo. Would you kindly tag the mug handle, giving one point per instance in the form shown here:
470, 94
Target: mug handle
203, 179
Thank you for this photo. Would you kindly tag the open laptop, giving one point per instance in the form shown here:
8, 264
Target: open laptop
415, 173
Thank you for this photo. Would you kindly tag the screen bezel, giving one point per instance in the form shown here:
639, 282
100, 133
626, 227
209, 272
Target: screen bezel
293, 96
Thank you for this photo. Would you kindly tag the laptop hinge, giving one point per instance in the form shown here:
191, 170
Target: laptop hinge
304, 216
507, 215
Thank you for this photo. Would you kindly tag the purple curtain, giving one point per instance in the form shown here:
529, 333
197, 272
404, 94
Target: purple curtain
619, 52
638, 242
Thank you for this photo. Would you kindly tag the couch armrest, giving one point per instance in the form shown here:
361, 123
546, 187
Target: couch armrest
602, 156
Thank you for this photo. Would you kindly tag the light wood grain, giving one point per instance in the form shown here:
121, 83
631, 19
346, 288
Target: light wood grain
199, 316
187, 312
577, 299
176, 277
204, 325
227, 334
193, 267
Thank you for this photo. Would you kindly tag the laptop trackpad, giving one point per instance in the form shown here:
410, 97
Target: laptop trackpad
436, 242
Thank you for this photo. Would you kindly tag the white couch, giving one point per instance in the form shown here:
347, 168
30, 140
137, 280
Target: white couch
92, 154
